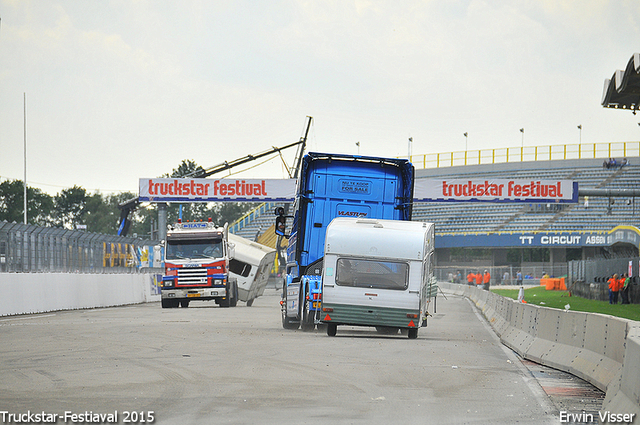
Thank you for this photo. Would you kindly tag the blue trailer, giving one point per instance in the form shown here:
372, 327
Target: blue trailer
330, 186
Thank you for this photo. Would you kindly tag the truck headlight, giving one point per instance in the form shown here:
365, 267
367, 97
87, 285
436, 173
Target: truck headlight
167, 283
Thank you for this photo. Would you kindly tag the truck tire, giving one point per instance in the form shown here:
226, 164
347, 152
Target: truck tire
413, 333
165, 303
250, 302
332, 329
287, 323
234, 301
306, 324
184, 303
224, 302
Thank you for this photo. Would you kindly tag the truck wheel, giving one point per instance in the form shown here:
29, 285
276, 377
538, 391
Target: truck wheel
307, 317
234, 302
287, 323
184, 303
413, 333
332, 329
166, 303
250, 302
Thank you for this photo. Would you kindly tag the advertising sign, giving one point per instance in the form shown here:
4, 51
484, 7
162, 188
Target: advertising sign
496, 190
625, 234
208, 190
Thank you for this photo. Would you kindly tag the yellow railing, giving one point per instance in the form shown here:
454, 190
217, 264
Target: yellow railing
616, 150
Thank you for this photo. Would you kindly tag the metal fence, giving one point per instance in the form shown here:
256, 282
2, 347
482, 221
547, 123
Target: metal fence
29, 248
608, 150
588, 278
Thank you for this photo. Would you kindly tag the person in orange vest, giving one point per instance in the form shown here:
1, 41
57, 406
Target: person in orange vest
613, 289
486, 278
623, 277
471, 278
478, 278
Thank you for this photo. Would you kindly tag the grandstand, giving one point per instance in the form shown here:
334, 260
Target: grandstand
479, 224
592, 214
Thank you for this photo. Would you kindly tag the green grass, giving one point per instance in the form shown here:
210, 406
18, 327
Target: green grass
558, 299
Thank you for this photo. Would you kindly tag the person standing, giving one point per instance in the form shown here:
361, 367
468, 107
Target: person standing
471, 278
478, 278
613, 289
486, 279
519, 278
623, 288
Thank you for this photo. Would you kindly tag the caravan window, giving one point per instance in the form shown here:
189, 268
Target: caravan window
239, 267
372, 274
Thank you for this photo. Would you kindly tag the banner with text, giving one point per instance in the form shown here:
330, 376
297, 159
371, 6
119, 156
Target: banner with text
619, 234
495, 190
210, 190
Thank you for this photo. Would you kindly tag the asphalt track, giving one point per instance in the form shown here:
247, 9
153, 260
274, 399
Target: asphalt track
210, 365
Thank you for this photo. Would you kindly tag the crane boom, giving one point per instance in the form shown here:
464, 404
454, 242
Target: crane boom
130, 205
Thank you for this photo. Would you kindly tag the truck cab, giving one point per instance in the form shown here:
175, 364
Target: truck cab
330, 186
197, 265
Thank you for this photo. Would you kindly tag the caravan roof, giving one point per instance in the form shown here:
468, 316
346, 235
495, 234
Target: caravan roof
385, 238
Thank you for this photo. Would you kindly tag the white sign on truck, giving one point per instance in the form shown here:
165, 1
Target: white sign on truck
378, 273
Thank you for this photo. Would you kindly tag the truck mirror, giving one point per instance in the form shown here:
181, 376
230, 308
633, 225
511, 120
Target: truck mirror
281, 225
232, 250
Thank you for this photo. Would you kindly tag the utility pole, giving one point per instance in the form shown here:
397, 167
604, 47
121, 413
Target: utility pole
25, 158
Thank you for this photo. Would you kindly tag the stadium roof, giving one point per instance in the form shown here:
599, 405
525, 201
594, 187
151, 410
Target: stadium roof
623, 89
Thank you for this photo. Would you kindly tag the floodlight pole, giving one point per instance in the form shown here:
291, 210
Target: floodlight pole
522, 145
580, 128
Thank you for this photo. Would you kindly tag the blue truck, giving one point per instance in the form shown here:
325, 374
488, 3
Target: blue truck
330, 186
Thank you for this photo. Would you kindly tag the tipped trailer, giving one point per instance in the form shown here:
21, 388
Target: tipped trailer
330, 186
250, 266
378, 273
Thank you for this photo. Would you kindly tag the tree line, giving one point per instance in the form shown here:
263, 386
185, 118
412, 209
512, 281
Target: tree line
100, 213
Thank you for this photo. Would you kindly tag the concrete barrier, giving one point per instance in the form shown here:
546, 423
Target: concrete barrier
601, 349
23, 293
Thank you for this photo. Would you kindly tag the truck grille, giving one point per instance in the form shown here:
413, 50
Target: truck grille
192, 276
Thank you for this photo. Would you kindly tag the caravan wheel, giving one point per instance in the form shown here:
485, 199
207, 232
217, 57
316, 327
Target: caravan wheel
332, 329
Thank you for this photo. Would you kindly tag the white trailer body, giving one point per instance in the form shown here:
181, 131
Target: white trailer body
377, 273
250, 266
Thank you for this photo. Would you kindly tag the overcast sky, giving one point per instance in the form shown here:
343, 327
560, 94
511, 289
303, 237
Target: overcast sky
122, 89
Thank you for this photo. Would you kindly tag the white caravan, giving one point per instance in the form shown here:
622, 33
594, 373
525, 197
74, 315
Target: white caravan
251, 265
378, 273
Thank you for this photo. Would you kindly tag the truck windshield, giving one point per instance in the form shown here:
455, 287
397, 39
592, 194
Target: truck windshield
185, 249
372, 274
